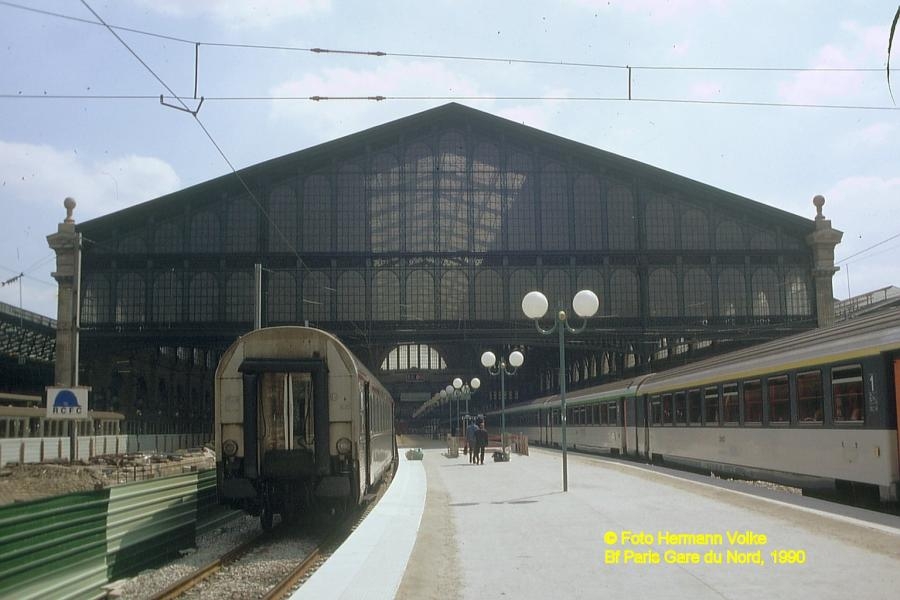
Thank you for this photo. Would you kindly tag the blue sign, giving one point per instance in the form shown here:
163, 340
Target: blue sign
67, 403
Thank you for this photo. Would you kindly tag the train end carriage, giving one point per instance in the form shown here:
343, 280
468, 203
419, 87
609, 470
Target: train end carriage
299, 422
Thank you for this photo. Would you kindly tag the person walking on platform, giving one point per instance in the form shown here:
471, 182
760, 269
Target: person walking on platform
481, 442
470, 440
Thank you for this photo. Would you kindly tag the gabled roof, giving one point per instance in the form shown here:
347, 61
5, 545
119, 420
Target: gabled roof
459, 116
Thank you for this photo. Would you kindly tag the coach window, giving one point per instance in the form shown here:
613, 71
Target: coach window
655, 411
779, 400
612, 413
667, 409
847, 393
711, 406
809, 397
680, 408
731, 403
694, 406
752, 401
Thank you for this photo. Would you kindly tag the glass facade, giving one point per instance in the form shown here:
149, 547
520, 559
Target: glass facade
443, 226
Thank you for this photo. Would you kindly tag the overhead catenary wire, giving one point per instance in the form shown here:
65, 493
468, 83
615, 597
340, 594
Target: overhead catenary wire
451, 98
423, 55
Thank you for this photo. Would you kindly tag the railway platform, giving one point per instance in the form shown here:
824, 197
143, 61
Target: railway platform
452, 530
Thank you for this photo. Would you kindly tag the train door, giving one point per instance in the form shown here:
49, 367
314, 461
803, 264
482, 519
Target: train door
367, 438
646, 404
285, 412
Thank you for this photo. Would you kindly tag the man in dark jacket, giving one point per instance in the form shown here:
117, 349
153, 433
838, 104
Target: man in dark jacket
481, 442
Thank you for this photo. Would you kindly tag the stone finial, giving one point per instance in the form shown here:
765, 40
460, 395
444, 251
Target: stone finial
819, 201
69, 203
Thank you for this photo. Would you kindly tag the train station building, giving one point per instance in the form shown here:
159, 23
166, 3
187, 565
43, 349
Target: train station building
415, 242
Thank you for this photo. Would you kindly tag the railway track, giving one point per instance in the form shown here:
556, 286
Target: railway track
263, 567
266, 566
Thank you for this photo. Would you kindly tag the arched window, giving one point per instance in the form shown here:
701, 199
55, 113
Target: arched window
521, 282
489, 303
732, 293
130, 299
317, 297
588, 214
283, 222
659, 219
351, 297
554, 202
351, 201
317, 207
167, 298
419, 296
762, 240
698, 297
239, 303
386, 296
242, 230
454, 296
281, 301
766, 293
205, 232
168, 238
413, 356
203, 302
729, 236
694, 230
663, 294
621, 218
797, 288
95, 300
624, 293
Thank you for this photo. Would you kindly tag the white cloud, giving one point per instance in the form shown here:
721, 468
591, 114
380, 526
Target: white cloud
34, 181
817, 87
236, 14
38, 178
865, 47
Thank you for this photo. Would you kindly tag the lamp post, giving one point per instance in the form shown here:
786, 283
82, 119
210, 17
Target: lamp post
443, 395
465, 389
502, 367
585, 304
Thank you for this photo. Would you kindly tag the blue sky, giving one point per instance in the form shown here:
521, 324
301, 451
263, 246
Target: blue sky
112, 153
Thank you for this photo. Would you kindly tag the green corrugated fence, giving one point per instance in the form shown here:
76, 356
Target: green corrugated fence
70, 546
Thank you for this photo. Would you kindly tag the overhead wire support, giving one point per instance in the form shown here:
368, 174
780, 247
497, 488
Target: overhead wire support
185, 109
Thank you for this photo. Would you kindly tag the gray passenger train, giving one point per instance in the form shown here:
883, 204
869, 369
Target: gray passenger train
816, 410
299, 422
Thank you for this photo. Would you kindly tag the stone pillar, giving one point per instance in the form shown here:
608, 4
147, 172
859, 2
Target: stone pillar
66, 242
822, 241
